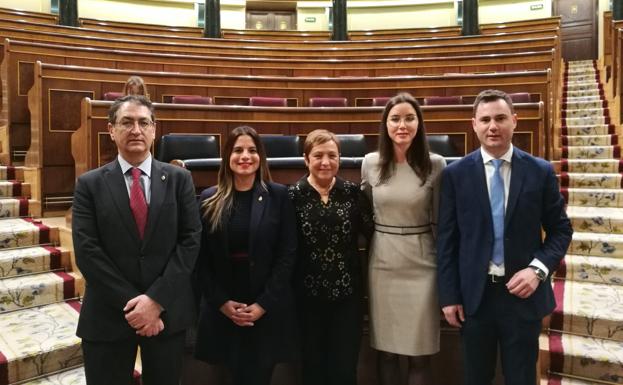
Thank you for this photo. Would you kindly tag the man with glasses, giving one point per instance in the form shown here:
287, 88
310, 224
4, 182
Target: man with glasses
136, 233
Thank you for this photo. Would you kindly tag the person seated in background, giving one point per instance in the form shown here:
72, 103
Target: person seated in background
331, 214
178, 162
135, 86
248, 252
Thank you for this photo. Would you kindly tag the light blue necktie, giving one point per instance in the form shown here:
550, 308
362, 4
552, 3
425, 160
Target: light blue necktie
497, 212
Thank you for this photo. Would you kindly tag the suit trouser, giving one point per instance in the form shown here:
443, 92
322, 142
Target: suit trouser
496, 323
331, 336
112, 362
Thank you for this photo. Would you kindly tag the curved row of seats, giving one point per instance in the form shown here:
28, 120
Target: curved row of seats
266, 101
196, 32
275, 48
202, 152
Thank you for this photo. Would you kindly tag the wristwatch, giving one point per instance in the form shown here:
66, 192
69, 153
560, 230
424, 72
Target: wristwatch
540, 274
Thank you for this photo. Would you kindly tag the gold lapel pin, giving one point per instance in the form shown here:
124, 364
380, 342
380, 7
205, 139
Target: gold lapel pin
163, 177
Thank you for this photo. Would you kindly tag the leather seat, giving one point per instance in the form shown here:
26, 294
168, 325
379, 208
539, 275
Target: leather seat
185, 147
283, 151
328, 102
380, 101
353, 148
112, 96
441, 144
192, 99
263, 101
520, 97
442, 100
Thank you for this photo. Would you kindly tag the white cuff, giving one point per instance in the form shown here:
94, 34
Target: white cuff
535, 262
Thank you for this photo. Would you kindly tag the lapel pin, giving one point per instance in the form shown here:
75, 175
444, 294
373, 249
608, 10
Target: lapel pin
163, 177
259, 199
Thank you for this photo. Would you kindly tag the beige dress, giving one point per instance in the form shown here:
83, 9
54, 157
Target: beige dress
404, 310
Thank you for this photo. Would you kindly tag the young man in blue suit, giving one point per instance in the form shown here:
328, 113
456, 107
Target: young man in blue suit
493, 263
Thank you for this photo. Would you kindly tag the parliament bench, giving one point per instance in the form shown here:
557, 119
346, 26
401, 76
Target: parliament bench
55, 98
17, 71
227, 44
91, 146
224, 47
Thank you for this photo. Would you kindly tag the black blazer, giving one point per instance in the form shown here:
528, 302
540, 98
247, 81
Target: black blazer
272, 253
465, 232
118, 266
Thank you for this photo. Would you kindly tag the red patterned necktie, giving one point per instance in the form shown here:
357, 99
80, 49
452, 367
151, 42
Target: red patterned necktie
138, 205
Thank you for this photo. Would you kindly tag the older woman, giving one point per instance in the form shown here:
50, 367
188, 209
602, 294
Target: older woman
403, 178
331, 213
245, 265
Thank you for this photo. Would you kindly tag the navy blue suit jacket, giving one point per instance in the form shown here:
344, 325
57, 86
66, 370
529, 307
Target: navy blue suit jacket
272, 256
465, 233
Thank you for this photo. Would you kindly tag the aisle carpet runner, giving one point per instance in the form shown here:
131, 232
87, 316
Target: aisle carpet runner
38, 309
585, 340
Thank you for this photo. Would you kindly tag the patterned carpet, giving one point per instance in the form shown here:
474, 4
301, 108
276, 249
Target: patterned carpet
38, 309
584, 344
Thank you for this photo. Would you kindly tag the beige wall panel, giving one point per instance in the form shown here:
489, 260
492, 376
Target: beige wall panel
440, 14
498, 11
27, 5
172, 13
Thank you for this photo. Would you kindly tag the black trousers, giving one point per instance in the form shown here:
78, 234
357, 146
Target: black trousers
112, 362
496, 324
331, 338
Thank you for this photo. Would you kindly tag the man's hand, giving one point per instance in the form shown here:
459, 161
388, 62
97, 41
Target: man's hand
152, 329
233, 311
142, 311
523, 283
454, 315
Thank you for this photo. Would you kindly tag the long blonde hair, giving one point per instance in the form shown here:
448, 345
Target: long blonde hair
135, 86
218, 207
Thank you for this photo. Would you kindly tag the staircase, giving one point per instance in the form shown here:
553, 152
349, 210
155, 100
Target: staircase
38, 305
584, 342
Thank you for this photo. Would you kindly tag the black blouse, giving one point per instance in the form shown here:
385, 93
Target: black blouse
239, 223
328, 264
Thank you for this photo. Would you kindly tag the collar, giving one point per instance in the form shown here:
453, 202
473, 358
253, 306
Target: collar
145, 167
486, 157
304, 183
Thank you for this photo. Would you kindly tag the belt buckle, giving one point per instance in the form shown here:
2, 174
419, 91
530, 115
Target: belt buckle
496, 278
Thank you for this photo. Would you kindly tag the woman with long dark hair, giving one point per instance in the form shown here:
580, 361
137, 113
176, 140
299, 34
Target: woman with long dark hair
402, 179
245, 264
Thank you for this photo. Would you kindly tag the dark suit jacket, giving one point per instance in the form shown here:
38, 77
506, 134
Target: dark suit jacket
118, 266
272, 254
465, 234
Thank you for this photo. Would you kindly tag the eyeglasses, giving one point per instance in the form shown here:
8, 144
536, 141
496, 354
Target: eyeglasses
128, 125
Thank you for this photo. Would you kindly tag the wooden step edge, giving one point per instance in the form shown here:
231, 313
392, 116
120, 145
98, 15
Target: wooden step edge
577, 380
34, 208
557, 164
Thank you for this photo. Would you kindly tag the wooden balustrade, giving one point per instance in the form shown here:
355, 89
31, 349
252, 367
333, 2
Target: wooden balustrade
55, 97
91, 146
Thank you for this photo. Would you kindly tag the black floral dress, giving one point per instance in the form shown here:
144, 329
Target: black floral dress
329, 265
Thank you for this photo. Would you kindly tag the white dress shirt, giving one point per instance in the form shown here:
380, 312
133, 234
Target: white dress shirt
505, 171
145, 168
